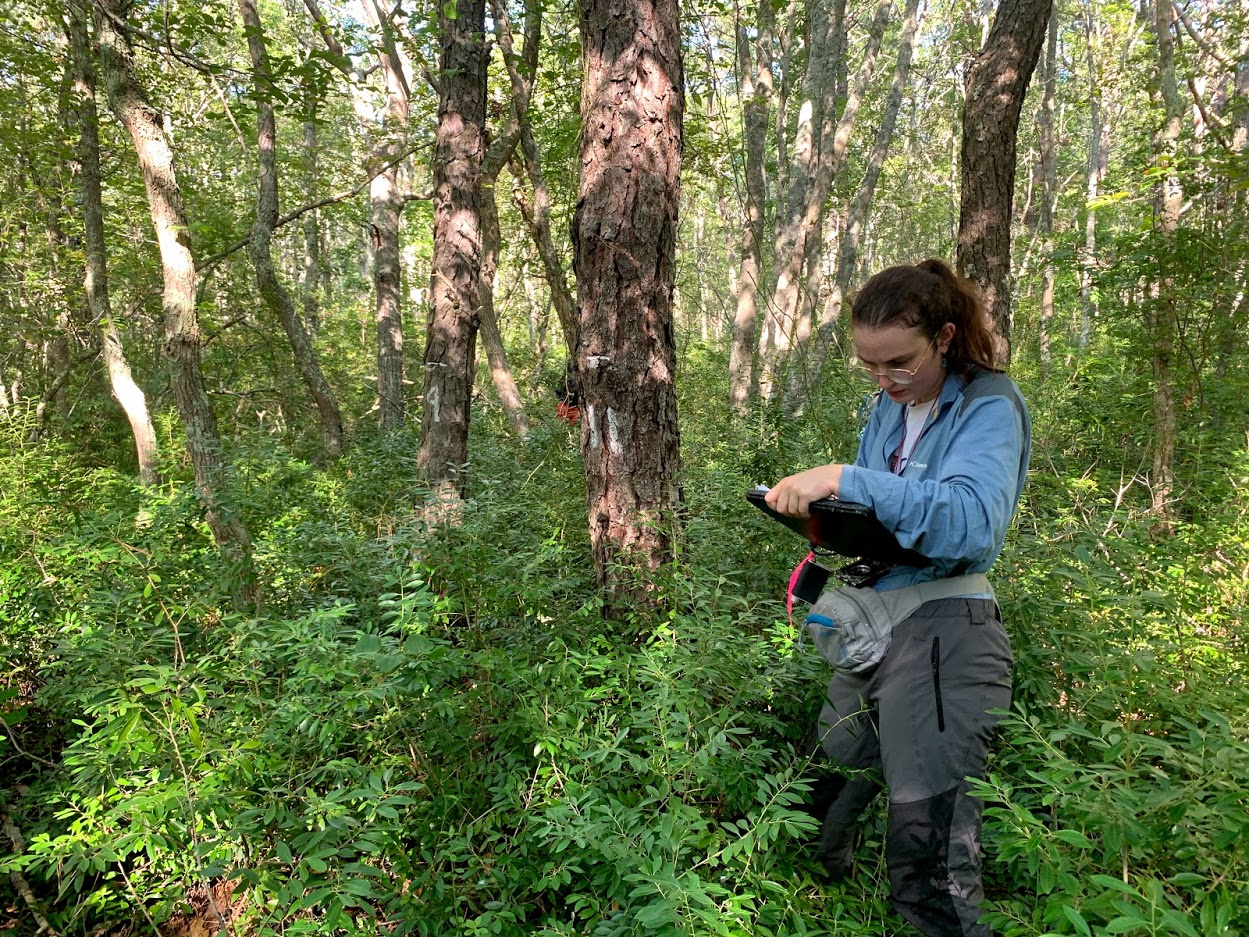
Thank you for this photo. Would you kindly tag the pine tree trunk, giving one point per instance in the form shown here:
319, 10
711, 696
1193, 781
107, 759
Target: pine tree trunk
275, 295
455, 288
182, 334
624, 242
996, 84
129, 395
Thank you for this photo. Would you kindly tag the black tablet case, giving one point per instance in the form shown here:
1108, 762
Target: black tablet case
843, 527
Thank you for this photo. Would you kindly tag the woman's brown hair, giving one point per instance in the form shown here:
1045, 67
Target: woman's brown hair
928, 295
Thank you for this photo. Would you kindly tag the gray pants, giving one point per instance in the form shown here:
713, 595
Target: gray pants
919, 723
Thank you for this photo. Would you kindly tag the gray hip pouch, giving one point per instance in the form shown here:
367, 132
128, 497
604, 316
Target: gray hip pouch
853, 627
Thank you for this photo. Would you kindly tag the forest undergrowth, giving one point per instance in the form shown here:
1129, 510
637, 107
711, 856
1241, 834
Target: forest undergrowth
435, 731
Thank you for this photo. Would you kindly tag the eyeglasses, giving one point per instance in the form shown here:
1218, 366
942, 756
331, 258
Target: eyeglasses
899, 376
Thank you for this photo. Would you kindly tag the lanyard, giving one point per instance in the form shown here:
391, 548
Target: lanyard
897, 464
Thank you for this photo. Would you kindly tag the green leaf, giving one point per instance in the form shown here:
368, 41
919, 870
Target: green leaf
1179, 922
1074, 838
1114, 884
1077, 921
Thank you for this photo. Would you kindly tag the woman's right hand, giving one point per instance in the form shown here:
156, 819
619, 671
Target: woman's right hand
793, 494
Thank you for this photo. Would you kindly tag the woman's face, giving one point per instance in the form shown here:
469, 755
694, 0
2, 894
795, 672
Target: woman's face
901, 348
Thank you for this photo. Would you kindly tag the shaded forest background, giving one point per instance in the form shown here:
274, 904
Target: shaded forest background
277, 657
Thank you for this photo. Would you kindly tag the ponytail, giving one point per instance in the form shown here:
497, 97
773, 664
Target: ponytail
927, 296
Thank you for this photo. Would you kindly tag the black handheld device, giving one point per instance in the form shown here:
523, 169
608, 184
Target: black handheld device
845, 528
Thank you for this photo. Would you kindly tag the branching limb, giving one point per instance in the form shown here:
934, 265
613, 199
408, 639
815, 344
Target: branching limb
313, 206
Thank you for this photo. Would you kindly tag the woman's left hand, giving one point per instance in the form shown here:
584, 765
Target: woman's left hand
793, 494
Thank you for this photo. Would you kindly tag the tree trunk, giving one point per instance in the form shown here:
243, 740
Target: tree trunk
1237, 316
498, 154
996, 84
386, 201
455, 289
385, 211
500, 371
1096, 171
800, 236
127, 392
182, 334
1049, 187
275, 295
756, 95
1162, 317
311, 275
825, 19
624, 242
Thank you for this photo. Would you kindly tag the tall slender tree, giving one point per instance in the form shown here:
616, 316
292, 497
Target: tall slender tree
126, 390
130, 104
501, 149
386, 201
857, 215
1161, 305
757, 92
274, 293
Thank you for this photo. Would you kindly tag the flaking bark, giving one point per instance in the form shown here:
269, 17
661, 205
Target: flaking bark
624, 241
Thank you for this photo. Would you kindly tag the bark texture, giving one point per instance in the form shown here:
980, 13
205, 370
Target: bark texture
624, 240
182, 335
275, 295
128, 393
455, 288
996, 84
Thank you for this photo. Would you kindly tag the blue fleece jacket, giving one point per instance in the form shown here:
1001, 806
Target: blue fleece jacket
961, 486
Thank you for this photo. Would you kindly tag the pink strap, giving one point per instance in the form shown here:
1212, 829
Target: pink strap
793, 581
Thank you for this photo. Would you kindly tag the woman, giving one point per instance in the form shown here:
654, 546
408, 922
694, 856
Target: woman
942, 462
